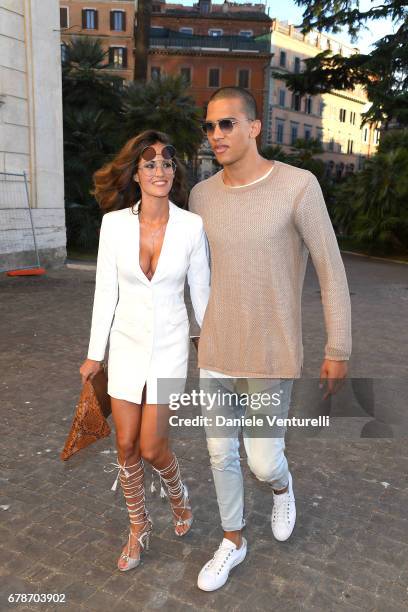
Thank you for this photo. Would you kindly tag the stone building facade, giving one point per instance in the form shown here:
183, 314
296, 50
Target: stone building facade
112, 22
31, 138
333, 118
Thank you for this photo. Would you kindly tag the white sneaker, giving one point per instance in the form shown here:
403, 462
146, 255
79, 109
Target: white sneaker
215, 572
283, 513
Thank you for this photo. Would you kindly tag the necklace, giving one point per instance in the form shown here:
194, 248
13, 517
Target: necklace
158, 230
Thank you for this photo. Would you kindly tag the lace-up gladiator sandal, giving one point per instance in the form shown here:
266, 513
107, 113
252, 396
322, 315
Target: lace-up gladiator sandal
131, 478
176, 491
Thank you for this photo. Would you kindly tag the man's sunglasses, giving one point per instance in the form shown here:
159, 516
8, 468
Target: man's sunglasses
226, 125
149, 153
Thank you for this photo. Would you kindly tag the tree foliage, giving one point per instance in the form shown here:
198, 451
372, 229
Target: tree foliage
163, 104
101, 114
372, 206
383, 73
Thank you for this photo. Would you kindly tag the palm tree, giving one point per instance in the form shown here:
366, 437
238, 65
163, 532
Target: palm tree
86, 79
373, 205
164, 104
91, 101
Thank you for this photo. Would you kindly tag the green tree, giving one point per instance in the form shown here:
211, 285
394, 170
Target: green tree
164, 104
91, 105
86, 79
372, 206
383, 73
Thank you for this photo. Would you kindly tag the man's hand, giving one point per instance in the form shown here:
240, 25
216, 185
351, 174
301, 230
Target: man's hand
334, 372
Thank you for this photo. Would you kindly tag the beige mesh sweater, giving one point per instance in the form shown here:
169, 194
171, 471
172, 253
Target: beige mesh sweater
260, 237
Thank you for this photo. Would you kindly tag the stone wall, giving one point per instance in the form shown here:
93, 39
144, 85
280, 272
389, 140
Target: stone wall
31, 138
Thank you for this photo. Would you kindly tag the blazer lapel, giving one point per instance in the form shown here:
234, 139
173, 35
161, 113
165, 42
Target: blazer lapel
136, 241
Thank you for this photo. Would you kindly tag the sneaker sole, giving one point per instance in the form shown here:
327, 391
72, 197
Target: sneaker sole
237, 562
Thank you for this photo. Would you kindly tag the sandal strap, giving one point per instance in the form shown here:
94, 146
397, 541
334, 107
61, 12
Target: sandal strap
170, 476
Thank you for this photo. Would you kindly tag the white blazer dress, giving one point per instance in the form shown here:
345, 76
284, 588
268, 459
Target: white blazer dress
145, 320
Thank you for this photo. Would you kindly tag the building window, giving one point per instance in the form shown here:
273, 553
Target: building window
308, 132
118, 21
321, 108
215, 32
308, 105
331, 144
365, 136
297, 64
293, 133
89, 19
279, 131
377, 136
282, 96
319, 133
186, 30
243, 78
282, 59
63, 17
214, 77
352, 117
204, 6
185, 74
296, 100
64, 53
118, 57
155, 73
342, 115
246, 33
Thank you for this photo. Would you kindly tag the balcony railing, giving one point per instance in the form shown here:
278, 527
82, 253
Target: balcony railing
228, 43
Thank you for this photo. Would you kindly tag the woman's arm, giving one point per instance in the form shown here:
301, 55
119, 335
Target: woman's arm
198, 274
106, 292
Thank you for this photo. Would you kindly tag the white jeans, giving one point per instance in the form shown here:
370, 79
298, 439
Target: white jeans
265, 455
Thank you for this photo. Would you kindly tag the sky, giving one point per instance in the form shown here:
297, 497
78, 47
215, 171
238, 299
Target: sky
288, 10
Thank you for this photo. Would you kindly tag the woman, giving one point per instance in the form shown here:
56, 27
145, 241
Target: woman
148, 245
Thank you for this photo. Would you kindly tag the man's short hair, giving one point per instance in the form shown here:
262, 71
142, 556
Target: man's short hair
248, 100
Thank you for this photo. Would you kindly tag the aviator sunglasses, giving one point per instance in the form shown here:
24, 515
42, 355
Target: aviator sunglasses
226, 125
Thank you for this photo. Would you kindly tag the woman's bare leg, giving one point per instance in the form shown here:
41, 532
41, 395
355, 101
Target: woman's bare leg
127, 420
155, 448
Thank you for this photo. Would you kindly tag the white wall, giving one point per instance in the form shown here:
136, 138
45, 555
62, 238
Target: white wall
31, 136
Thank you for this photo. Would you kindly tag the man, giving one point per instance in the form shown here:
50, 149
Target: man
262, 219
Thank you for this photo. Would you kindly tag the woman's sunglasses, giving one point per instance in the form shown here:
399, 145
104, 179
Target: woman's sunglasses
149, 152
226, 125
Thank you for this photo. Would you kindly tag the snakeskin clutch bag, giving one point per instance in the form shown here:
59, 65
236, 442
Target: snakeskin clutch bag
89, 423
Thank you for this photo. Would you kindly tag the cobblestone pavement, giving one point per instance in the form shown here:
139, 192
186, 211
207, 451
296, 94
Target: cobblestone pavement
62, 528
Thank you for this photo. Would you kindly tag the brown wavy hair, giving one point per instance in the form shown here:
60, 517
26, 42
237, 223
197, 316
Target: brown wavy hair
115, 187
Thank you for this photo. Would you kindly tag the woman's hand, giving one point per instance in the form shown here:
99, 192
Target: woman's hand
89, 368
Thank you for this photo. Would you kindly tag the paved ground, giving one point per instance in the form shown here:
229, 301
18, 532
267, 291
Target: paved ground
62, 528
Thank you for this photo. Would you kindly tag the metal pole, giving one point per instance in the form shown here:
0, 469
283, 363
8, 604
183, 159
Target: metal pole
31, 218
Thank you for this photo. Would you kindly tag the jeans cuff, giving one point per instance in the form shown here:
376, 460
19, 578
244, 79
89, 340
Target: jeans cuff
235, 528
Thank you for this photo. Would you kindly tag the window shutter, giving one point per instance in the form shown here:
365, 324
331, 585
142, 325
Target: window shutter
125, 57
96, 20
83, 19
124, 21
112, 20
110, 56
